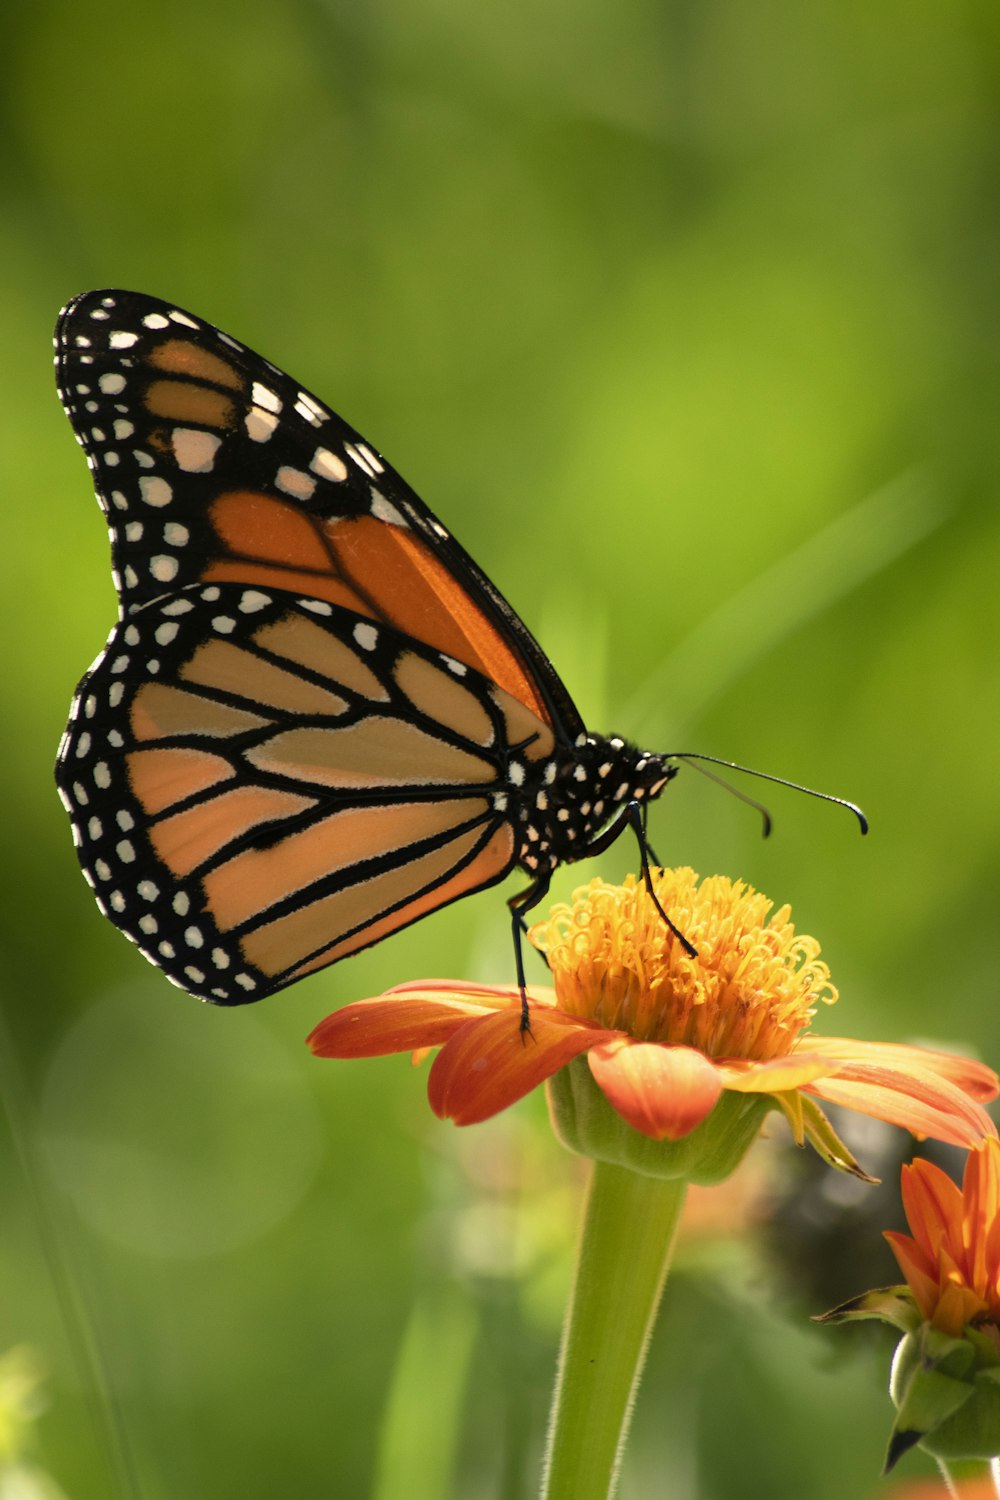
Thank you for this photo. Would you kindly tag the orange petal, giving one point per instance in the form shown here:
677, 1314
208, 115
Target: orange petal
933, 1206
489, 1063
981, 1222
919, 1273
490, 996
662, 1091
776, 1076
932, 1203
925, 1103
374, 1028
973, 1078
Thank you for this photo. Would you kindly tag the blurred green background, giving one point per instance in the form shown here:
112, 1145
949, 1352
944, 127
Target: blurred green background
684, 318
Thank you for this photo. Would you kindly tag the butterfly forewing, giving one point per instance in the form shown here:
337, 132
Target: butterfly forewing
214, 466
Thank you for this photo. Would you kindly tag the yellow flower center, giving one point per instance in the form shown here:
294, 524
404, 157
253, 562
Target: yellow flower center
752, 989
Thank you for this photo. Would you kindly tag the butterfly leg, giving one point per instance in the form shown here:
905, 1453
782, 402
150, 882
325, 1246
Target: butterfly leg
644, 839
633, 815
524, 902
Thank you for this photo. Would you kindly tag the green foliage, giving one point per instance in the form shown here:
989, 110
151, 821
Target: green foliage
683, 318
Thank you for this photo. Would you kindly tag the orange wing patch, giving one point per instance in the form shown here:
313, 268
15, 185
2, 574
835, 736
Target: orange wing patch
418, 594
376, 568
160, 710
161, 777
364, 912
252, 882
182, 357
442, 699
376, 752
225, 667
276, 545
185, 840
181, 401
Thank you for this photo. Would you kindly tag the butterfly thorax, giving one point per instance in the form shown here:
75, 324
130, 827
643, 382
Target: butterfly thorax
561, 805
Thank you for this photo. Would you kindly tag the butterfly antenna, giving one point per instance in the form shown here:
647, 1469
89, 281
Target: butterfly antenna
734, 791
692, 758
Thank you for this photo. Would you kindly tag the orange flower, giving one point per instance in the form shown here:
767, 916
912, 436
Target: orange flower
952, 1261
665, 1034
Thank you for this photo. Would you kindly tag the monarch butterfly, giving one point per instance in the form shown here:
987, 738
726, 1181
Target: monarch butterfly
316, 719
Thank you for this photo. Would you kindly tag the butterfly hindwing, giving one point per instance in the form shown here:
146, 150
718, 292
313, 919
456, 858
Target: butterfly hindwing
261, 784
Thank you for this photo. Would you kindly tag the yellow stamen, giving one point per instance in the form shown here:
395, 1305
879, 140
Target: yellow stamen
752, 989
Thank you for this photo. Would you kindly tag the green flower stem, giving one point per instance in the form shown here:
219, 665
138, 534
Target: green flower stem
959, 1472
625, 1249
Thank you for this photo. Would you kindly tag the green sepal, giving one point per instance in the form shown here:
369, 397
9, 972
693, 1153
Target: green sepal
585, 1122
947, 1395
808, 1122
890, 1304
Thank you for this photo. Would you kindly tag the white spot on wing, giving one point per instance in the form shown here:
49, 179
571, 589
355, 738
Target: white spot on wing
252, 599
384, 510
260, 424
311, 410
328, 465
194, 450
361, 456
262, 396
372, 459
295, 483
155, 490
163, 568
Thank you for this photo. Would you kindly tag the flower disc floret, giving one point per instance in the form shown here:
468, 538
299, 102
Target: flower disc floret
753, 987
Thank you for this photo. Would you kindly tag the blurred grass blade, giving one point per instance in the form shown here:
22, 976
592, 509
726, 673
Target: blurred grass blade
817, 575
55, 1230
420, 1426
